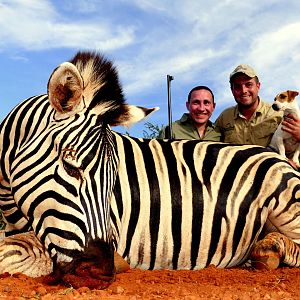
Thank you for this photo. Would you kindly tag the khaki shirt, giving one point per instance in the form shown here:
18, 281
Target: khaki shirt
257, 131
184, 129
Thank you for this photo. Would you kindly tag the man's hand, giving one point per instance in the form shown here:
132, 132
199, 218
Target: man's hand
291, 124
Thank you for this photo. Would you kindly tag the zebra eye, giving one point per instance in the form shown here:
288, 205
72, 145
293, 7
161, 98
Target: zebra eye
71, 170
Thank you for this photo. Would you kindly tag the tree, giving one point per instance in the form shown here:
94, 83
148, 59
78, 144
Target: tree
152, 130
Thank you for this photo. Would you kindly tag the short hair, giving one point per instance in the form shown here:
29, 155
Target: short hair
201, 87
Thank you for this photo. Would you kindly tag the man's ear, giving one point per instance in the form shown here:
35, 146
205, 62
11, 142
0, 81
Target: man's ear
187, 104
258, 85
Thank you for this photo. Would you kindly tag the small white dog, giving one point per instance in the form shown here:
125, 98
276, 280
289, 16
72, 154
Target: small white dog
282, 141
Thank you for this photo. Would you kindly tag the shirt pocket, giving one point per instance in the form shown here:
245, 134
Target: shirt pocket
231, 136
264, 132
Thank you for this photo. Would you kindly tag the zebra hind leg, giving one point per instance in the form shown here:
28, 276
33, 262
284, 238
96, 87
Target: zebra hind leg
273, 250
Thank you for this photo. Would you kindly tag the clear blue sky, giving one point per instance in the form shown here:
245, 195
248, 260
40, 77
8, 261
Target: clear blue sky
199, 42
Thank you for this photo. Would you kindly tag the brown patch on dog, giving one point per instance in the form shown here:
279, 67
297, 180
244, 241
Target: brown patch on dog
287, 96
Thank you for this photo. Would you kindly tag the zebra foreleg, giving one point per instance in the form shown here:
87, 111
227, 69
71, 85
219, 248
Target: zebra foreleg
24, 253
274, 250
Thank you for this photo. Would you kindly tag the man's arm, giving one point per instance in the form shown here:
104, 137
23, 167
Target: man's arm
291, 124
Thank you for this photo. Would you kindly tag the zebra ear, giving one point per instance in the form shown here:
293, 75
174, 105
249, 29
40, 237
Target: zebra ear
132, 114
65, 89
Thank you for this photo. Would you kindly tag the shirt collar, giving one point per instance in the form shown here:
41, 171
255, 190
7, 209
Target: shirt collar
185, 118
257, 111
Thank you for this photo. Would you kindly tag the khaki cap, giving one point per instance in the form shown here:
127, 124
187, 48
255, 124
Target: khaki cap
245, 69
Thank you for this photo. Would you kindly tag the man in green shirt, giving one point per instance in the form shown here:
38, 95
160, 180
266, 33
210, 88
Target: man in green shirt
196, 123
251, 121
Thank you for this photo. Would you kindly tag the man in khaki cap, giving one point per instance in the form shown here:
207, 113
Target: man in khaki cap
251, 121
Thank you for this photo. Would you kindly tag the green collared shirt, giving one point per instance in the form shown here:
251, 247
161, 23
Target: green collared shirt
235, 128
184, 129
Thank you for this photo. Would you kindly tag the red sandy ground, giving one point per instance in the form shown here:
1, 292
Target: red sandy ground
210, 283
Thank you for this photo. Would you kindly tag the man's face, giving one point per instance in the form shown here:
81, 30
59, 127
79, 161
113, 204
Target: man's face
201, 106
245, 90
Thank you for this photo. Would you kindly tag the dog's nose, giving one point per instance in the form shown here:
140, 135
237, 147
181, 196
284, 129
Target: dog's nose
275, 106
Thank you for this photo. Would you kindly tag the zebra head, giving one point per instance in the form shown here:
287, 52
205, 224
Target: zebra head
71, 161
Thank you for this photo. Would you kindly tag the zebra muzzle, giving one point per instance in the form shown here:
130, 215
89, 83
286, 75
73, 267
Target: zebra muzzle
93, 268
88, 275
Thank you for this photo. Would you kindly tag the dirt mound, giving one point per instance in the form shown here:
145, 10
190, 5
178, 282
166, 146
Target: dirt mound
210, 283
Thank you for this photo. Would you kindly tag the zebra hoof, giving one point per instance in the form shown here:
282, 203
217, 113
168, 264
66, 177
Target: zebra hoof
121, 265
266, 253
265, 262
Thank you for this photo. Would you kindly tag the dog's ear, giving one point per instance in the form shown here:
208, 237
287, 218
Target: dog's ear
292, 94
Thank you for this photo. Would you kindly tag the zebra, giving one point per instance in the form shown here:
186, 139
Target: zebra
82, 191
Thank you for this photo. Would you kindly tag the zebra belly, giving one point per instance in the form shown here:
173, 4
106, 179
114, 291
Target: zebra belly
140, 254
187, 249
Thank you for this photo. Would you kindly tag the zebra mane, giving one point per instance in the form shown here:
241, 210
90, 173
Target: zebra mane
102, 87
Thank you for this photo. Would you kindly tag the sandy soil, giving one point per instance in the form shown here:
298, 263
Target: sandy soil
210, 283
